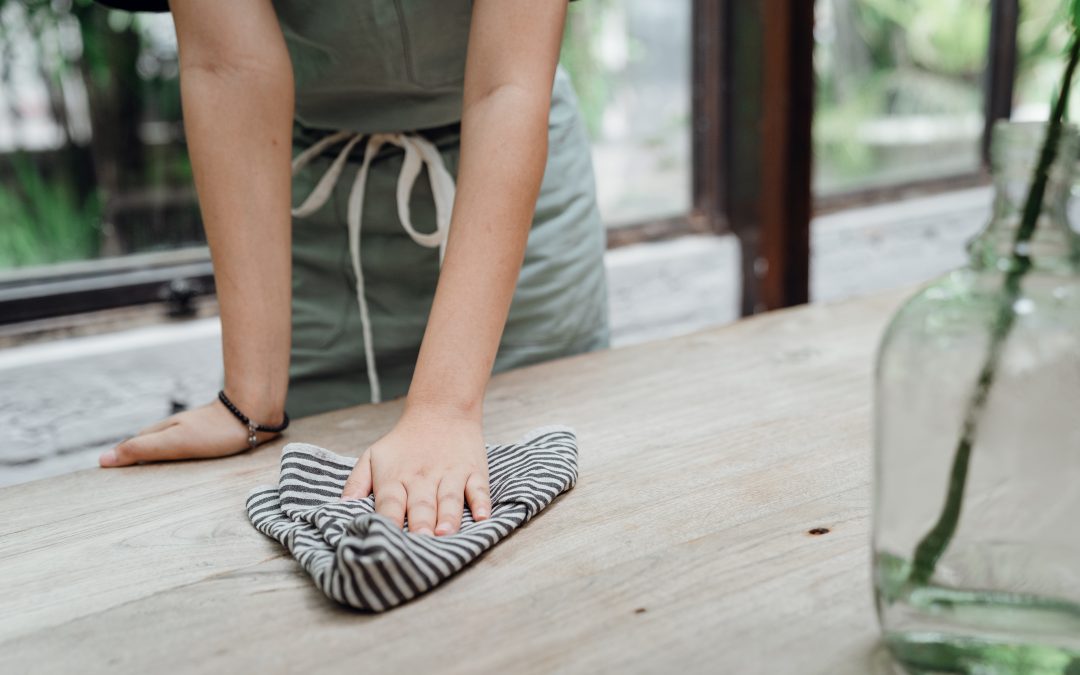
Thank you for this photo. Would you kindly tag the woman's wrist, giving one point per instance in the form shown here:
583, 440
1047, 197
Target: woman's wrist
430, 406
262, 404
254, 428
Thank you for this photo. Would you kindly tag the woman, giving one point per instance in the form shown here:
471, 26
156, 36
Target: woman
446, 227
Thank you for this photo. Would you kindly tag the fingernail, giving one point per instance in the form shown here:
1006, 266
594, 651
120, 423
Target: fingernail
443, 528
424, 530
108, 458
480, 513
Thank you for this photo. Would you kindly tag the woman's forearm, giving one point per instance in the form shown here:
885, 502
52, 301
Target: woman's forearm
503, 155
237, 89
504, 151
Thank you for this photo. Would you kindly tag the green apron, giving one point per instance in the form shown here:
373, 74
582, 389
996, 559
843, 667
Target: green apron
386, 75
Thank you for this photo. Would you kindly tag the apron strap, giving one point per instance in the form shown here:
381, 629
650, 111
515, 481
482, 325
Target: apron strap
419, 152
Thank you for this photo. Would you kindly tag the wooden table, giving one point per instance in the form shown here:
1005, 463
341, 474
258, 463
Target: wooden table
685, 547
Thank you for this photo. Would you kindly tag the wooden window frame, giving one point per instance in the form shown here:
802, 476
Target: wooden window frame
753, 148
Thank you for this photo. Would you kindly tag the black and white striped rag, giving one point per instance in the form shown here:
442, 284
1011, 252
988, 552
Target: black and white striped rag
362, 559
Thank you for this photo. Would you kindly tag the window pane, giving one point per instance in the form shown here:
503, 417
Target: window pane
630, 62
1041, 40
92, 160
900, 90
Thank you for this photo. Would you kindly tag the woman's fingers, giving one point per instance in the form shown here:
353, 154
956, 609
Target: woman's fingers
142, 448
134, 449
169, 443
194, 434
359, 484
390, 502
125, 453
451, 501
158, 426
478, 494
421, 504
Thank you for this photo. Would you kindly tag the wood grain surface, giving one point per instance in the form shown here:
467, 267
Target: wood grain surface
685, 547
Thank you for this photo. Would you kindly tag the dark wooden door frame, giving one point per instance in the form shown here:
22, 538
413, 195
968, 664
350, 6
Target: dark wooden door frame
1000, 67
709, 77
753, 100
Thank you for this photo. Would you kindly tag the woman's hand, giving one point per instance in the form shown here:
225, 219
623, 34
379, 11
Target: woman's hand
426, 468
200, 433
434, 459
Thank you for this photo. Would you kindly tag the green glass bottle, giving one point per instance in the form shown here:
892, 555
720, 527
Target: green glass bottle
977, 545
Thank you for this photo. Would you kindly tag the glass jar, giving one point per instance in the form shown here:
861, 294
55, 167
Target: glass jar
977, 443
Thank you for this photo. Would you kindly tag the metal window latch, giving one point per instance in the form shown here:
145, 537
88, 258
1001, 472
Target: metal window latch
179, 295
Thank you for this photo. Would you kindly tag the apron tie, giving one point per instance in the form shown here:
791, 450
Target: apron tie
418, 152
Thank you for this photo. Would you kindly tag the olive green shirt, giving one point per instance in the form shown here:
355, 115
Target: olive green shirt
377, 65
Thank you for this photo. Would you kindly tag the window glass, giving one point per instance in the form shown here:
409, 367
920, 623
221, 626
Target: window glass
92, 160
630, 63
1041, 41
900, 90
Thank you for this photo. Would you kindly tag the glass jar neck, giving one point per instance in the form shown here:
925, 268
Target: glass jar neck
1053, 246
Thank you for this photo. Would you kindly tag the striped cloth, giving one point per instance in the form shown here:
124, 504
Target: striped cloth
362, 559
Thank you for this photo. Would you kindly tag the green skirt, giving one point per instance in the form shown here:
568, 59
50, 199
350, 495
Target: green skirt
559, 307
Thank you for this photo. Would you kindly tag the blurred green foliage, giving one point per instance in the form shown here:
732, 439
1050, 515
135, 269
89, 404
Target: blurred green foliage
578, 56
945, 37
1042, 39
45, 221
99, 68
896, 59
889, 58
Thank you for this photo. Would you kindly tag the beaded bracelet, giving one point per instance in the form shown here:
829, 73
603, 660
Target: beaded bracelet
253, 428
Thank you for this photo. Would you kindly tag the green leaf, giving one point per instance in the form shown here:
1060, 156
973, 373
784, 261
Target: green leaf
1074, 12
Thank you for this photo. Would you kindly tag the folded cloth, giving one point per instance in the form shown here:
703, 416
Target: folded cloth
363, 559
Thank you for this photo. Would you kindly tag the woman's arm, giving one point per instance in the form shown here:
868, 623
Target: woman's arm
237, 90
435, 455
513, 51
